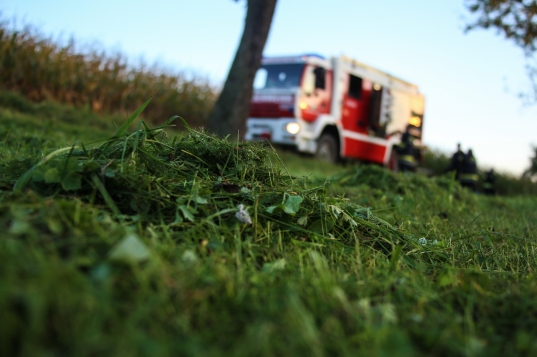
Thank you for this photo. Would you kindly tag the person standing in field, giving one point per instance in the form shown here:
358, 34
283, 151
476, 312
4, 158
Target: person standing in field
456, 162
468, 173
406, 160
488, 183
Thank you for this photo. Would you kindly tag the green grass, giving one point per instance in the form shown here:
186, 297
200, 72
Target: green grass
130, 246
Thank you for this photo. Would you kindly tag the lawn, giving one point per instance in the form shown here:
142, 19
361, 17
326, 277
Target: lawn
128, 240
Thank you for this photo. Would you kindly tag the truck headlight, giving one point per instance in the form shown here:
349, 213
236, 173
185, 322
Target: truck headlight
292, 128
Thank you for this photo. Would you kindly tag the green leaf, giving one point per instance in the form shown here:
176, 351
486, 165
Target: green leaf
274, 266
54, 225
72, 181
292, 204
303, 220
52, 175
91, 166
19, 226
196, 195
272, 209
187, 212
178, 218
216, 246
108, 172
101, 272
130, 250
200, 200
70, 164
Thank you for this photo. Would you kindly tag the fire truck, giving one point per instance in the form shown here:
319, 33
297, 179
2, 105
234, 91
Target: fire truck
335, 108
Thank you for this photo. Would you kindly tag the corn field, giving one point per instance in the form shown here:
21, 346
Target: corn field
41, 68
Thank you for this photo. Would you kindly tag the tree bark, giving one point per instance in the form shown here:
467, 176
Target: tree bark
233, 105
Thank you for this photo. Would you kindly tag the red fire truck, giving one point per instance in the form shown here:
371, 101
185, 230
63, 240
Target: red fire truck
334, 108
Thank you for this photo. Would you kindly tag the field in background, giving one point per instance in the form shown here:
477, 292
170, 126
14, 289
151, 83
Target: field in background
132, 246
41, 68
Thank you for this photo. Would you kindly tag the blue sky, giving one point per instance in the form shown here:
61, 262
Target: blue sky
470, 81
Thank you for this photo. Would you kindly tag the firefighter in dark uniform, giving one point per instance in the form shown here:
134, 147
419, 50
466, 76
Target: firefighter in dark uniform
468, 174
406, 160
456, 162
488, 183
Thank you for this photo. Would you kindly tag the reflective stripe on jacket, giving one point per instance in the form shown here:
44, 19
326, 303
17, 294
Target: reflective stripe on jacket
468, 177
407, 159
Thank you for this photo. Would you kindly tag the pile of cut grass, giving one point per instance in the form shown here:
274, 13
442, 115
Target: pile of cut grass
137, 245
193, 184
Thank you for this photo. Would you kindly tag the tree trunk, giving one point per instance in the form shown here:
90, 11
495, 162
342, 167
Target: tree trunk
231, 109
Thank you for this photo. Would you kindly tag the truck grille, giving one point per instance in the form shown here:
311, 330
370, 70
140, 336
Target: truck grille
265, 110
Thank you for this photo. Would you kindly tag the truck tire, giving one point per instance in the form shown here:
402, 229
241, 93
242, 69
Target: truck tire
327, 149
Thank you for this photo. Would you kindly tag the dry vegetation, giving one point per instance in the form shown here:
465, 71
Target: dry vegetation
40, 68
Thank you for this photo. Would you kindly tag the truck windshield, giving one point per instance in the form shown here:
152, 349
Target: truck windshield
278, 76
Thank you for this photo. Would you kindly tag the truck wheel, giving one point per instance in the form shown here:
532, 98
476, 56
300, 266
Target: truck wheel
327, 149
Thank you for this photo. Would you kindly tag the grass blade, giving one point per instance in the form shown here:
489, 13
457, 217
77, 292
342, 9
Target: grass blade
130, 120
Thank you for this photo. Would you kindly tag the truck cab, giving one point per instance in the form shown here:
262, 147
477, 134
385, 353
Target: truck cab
287, 89
334, 108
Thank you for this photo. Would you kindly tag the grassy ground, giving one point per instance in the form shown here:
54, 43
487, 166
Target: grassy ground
132, 246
